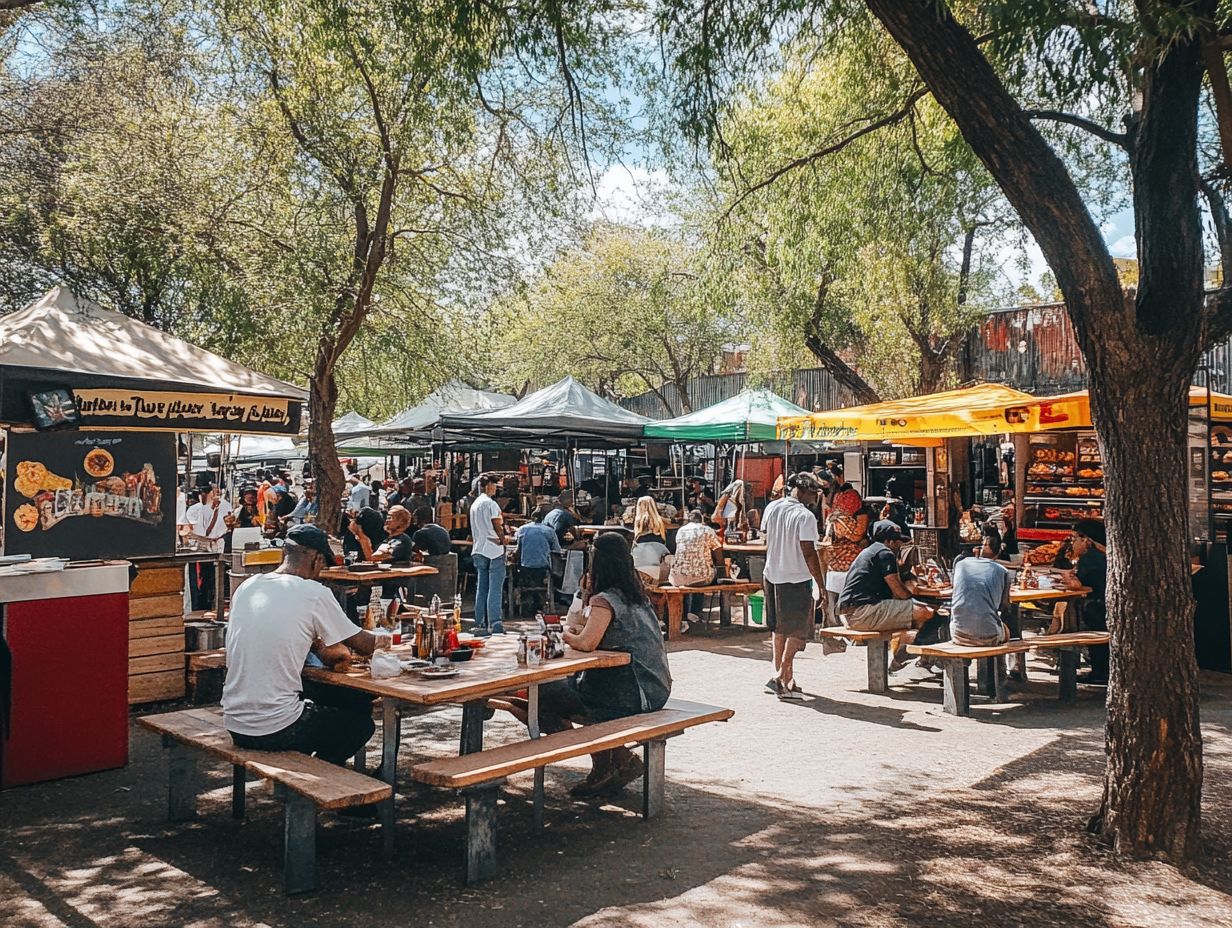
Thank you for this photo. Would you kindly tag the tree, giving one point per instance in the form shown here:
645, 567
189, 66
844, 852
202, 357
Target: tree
870, 247
996, 70
627, 311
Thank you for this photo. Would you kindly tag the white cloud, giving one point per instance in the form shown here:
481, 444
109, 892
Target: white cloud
633, 196
1124, 247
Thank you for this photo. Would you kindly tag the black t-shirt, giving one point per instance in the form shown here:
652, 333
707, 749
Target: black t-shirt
399, 548
866, 578
1092, 570
431, 540
373, 526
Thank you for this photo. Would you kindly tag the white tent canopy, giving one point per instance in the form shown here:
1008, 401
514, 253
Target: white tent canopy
454, 398
67, 333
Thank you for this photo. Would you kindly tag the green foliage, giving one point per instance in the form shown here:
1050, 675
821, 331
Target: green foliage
627, 311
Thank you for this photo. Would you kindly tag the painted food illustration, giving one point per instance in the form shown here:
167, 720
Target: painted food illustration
134, 495
99, 463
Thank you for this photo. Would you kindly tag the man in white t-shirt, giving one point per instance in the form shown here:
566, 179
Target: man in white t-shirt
277, 619
359, 494
207, 526
792, 565
488, 556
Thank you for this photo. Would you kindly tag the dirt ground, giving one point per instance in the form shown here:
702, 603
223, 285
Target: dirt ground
845, 809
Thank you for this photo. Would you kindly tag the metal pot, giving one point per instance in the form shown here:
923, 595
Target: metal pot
204, 636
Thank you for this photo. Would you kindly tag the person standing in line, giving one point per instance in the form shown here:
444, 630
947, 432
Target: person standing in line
488, 556
792, 567
207, 521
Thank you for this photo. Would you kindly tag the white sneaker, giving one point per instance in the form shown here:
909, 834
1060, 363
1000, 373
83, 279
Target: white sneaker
688, 620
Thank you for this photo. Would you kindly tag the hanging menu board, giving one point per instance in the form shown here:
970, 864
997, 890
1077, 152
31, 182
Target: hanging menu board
90, 494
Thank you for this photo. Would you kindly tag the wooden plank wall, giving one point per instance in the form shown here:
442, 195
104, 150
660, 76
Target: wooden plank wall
156, 635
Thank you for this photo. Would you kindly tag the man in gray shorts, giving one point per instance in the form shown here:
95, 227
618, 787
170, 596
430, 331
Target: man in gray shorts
875, 598
792, 564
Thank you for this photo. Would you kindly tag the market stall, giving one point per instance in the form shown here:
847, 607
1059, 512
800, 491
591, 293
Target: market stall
91, 401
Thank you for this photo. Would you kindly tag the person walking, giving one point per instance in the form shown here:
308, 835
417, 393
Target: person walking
789, 526
488, 556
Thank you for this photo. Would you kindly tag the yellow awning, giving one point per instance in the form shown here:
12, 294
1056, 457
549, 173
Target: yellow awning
983, 409
937, 415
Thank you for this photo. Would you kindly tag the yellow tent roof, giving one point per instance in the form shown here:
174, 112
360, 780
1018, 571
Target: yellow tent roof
983, 409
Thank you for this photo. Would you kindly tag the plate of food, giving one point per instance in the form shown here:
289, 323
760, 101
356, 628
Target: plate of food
98, 463
438, 673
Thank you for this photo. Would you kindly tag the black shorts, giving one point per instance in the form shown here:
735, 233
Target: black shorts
789, 608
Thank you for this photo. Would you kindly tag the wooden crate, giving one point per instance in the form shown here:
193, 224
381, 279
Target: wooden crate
156, 635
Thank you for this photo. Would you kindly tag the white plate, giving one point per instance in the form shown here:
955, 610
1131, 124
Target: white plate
434, 674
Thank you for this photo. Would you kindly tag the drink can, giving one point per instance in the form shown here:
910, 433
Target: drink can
521, 652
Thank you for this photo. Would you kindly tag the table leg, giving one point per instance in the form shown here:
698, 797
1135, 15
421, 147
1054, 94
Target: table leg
391, 737
675, 613
532, 725
1018, 662
472, 726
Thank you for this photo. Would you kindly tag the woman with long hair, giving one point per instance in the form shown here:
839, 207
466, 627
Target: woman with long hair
648, 525
618, 618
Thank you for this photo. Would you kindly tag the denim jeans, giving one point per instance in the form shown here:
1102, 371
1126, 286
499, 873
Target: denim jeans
488, 591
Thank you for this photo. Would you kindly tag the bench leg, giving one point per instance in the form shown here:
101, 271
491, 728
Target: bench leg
481, 832
724, 610
391, 737
184, 781
879, 666
675, 613
1001, 682
299, 843
956, 697
652, 779
239, 777
1067, 664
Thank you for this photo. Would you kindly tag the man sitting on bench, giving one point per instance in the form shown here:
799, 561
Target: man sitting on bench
875, 598
276, 620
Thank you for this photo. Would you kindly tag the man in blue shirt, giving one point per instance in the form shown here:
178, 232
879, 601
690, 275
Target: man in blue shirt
563, 519
536, 545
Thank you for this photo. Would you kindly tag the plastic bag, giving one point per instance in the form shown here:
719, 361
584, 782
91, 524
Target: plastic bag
383, 665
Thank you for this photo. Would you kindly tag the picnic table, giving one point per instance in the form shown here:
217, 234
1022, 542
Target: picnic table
340, 579
747, 547
494, 671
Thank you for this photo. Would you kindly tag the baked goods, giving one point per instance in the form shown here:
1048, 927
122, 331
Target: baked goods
26, 517
98, 463
1044, 554
1220, 475
1091, 473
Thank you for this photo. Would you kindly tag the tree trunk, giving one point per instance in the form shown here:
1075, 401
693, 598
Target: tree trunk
1153, 780
1141, 357
322, 452
932, 370
840, 371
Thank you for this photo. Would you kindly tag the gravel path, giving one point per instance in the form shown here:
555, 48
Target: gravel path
844, 809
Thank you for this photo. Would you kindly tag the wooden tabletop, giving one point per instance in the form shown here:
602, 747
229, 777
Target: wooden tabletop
1017, 594
345, 575
746, 548
491, 672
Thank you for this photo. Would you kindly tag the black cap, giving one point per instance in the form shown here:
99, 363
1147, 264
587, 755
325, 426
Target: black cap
309, 536
1093, 529
885, 530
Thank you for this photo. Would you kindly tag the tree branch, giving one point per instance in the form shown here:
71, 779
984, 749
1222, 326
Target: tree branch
1119, 139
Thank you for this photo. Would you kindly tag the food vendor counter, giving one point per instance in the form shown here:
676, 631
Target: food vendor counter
64, 672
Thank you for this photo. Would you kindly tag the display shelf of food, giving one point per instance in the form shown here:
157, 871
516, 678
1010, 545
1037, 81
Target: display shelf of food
1064, 483
897, 458
1221, 474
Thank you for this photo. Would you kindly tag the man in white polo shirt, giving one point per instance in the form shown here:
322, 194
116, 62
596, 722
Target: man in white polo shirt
792, 565
277, 619
488, 556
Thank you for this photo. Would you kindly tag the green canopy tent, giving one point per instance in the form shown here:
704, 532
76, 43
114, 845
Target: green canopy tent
748, 417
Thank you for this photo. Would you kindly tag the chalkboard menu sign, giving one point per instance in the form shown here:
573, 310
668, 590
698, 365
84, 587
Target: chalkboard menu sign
90, 494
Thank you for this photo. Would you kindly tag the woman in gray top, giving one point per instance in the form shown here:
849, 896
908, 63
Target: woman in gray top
620, 619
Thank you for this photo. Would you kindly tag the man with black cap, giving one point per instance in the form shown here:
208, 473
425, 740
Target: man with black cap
874, 597
277, 619
792, 565
1088, 542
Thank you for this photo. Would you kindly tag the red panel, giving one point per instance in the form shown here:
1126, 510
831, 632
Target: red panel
70, 687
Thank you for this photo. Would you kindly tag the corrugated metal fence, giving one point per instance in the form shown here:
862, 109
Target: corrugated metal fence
1030, 348
812, 388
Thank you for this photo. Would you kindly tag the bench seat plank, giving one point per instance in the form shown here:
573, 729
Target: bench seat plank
497, 763
855, 634
1017, 646
327, 785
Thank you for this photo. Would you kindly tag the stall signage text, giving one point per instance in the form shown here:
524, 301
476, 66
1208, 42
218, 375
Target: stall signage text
183, 408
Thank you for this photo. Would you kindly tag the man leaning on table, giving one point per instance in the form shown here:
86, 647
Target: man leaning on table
277, 620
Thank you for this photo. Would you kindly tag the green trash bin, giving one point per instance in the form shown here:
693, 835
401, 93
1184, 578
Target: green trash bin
756, 603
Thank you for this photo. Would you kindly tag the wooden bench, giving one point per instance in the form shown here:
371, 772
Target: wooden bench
303, 783
674, 597
955, 660
479, 775
878, 646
